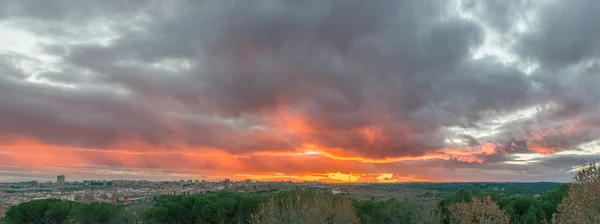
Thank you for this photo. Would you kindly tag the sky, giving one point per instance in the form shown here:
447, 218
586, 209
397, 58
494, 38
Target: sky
315, 90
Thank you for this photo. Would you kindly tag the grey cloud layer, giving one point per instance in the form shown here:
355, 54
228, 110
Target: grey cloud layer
404, 67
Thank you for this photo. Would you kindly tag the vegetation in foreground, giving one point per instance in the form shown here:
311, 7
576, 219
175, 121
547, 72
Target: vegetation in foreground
54, 211
305, 206
578, 202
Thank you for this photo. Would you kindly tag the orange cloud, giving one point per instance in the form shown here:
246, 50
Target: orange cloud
206, 162
469, 154
303, 160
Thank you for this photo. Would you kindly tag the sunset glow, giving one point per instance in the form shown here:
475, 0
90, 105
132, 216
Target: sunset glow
283, 90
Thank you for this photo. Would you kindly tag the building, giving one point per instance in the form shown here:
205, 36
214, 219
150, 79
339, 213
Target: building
226, 183
60, 180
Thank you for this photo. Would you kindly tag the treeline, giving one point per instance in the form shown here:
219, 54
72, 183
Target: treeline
55, 211
508, 188
223, 207
578, 202
517, 208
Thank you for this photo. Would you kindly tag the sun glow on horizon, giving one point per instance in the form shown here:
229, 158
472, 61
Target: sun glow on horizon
343, 177
312, 152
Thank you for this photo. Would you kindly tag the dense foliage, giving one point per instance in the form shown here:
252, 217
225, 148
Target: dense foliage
226, 207
389, 211
507, 188
521, 209
54, 211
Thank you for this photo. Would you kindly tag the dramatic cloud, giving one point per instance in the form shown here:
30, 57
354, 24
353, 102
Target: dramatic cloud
326, 90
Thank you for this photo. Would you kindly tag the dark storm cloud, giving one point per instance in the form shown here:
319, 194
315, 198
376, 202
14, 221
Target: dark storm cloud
65, 10
342, 65
93, 117
401, 69
97, 117
558, 37
564, 33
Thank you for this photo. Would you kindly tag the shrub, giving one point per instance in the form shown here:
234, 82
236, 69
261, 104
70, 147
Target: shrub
305, 207
582, 203
479, 210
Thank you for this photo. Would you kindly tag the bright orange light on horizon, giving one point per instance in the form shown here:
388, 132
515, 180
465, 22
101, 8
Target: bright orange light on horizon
344, 177
386, 177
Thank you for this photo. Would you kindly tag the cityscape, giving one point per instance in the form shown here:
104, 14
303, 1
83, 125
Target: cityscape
128, 192
140, 195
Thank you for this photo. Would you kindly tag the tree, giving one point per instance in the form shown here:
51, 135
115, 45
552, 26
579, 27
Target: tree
462, 195
39, 211
389, 211
98, 213
479, 210
582, 203
223, 207
523, 209
551, 199
58, 211
54, 211
305, 207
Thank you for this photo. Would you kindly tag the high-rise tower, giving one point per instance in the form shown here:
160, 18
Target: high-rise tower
60, 180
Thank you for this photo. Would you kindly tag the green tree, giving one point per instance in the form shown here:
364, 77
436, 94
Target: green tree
389, 211
223, 207
58, 211
54, 211
523, 209
551, 199
39, 211
172, 209
98, 213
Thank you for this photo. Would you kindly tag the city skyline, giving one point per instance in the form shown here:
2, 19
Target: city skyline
317, 90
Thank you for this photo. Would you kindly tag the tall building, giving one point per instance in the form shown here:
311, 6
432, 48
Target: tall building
60, 180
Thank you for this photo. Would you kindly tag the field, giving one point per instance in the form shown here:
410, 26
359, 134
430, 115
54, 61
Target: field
434, 191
